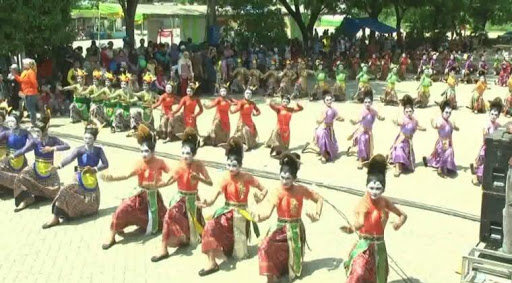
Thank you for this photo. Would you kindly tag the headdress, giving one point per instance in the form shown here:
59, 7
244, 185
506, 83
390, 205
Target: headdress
145, 136
96, 74
235, 150
80, 73
290, 162
445, 103
42, 122
377, 167
148, 78
190, 139
93, 127
497, 104
407, 101
109, 76
125, 77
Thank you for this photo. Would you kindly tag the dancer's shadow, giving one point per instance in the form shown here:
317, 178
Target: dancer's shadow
183, 251
101, 213
136, 236
329, 263
409, 280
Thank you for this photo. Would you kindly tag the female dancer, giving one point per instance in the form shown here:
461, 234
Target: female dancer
82, 197
390, 97
368, 259
477, 101
101, 99
363, 136
189, 104
166, 100
424, 89
97, 111
15, 138
496, 107
146, 208
79, 109
123, 99
324, 139
449, 93
246, 129
220, 126
279, 140
142, 111
338, 89
443, 157
227, 233
183, 222
282, 251
402, 151
38, 180
364, 87
3, 143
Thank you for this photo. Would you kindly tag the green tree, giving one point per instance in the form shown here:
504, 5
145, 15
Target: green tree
401, 7
481, 12
35, 27
306, 19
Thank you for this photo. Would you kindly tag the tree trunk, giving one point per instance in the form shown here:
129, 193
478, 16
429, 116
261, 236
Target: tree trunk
129, 20
399, 16
211, 16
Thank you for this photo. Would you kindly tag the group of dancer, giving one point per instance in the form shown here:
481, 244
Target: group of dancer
227, 234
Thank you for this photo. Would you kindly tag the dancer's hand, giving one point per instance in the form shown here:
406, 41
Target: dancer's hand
347, 229
107, 177
396, 225
202, 203
47, 149
353, 122
313, 216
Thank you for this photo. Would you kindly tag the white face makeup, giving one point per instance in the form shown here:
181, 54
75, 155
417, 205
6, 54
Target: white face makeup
145, 86
88, 139
447, 113
11, 122
367, 102
328, 100
408, 112
108, 83
494, 115
223, 92
95, 82
375, 189
145, 152
482, 79
233, 166
79, 79
190, 92
186, 154
248, 94
365, 69
320, 67
285, 101
286, 179
124, 85
168, 88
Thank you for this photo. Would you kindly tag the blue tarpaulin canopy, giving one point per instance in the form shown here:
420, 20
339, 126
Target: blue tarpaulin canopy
351, 26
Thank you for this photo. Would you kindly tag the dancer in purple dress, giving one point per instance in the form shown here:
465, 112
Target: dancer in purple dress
363, 136
496, 107
324, 140
402, 151
443, 157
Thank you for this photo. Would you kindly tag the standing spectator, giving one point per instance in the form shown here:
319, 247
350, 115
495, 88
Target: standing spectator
13, 89
141, 50
105, 61
3, 89
185, 71
29, 86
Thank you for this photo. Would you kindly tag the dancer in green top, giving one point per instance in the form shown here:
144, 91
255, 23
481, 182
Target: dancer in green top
364, 87
390, 97
79, 109
321, 85
424, 89
338, 89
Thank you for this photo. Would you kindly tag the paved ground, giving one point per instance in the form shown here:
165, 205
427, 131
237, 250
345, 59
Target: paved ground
428, 248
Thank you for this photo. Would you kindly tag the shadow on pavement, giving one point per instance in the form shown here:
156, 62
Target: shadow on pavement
101, 213
329, 263
410, 280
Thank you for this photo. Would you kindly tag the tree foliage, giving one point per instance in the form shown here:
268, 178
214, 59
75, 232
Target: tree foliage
35, 27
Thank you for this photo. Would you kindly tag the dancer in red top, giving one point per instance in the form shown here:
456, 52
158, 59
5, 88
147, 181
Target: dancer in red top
220, 126
167, 121
146, 208
246, 129
189, 115
282, 250
183, 222
227, 233
368, 259
279, 140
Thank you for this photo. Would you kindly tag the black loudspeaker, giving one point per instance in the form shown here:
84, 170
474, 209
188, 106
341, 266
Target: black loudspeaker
491, 218
497, 154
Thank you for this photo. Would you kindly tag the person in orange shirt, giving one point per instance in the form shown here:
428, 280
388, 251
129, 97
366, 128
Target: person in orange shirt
146, 208
29, 87
282, 251
188, 116
279, 140
166, 100
227, 233
368, 259
246, 129
183, 222
477, 101
221, 127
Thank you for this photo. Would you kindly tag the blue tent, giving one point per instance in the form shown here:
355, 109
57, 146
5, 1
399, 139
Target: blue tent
351, 26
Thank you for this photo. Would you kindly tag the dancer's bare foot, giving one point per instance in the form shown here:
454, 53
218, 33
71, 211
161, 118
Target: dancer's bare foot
54, 222
24, 204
